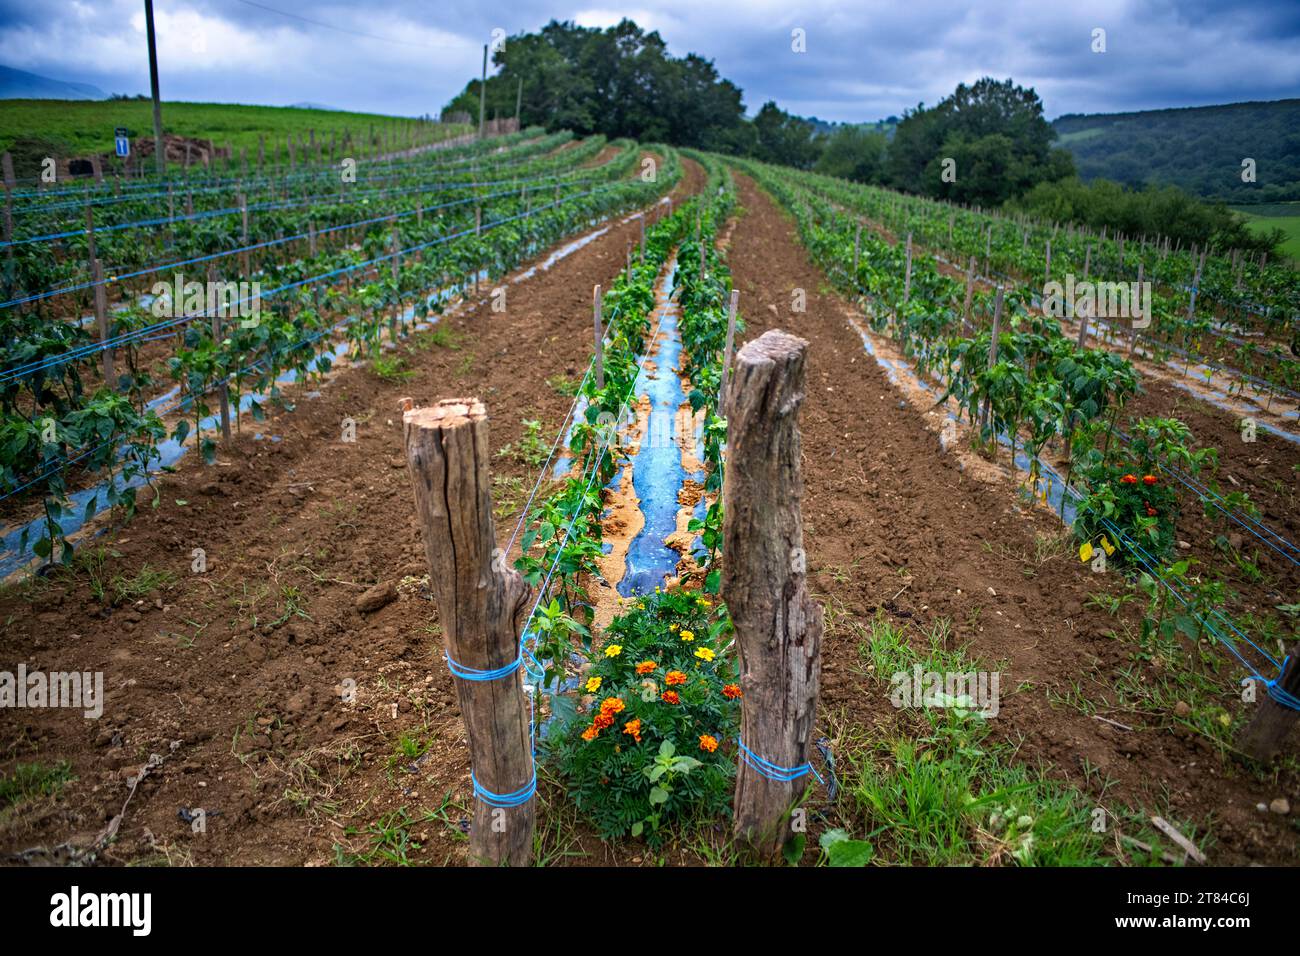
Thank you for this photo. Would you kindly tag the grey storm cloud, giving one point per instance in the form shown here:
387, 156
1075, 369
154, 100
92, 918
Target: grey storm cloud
863, 60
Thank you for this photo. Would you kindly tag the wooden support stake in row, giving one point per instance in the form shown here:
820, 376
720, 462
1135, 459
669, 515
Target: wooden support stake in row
857, 242
101, 320
218, 333
481, 604
965, 309
764, 582
600, 338
244, 256
726, 354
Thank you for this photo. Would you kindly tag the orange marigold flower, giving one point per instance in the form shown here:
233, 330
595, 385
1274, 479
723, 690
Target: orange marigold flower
645, 667
674, 677
590, 733
671, 697
633, 729
1129, 480
731, 691
708, 743
602, 720
612, 705
1149, 479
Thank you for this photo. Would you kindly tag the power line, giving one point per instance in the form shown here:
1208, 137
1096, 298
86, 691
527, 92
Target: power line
330, 26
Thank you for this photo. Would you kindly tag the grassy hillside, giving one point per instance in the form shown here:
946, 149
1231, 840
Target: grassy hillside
1284, 216
31, 129
1199, 148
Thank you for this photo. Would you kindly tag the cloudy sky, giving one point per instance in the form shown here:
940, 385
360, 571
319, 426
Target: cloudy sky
864, 59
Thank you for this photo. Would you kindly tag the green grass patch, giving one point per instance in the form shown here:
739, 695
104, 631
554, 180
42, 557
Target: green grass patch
28, 782
938, 789
32, 129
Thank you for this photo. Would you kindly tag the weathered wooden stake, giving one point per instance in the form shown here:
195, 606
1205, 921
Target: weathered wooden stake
244, 256
731, 339
1263, 737
965, 309
101, 320
223, 390
764, 582
600, 338
857, 242
481, 603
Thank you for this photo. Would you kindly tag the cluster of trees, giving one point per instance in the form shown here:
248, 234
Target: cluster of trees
1152, 210
619, 81
987, 144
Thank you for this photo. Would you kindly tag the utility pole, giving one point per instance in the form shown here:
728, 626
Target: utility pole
482, 92
159, 150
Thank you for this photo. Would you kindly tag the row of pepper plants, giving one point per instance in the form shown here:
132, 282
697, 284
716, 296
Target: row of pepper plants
643, 745
54, 426
1245, 320
1042, 391
136, 233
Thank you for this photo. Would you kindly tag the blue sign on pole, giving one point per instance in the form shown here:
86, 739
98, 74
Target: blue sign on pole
123, 142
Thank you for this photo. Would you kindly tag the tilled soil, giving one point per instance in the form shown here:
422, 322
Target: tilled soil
277, 696
279, 702
895, 526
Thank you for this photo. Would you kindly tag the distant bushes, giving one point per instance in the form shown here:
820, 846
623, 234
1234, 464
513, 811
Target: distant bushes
1152, 211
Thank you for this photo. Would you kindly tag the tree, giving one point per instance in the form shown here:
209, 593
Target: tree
854, 152
785, 139
996, 136
619, 81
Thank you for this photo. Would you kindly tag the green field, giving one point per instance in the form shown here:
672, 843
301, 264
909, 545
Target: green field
32, 129
1284, 216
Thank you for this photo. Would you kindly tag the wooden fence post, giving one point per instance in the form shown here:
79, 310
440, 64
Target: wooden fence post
764, 582
1263, 737
218, 333
482, 603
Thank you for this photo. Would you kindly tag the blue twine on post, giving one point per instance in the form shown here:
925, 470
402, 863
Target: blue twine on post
773, 771
465, 672
500, 800
1278, 693
505, 800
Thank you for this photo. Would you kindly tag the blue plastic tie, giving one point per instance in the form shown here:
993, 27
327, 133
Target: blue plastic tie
505, 800
475, 674
774, 771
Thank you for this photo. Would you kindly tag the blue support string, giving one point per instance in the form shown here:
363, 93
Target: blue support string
774, 771
464, 672
505, 800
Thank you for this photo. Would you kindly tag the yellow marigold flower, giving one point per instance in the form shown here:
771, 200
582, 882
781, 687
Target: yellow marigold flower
708, 743
613, 650
704, 653
703, 603
688, 635
593, 684
645, 667
672, 627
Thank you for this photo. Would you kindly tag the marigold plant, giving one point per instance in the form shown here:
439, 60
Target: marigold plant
632, 756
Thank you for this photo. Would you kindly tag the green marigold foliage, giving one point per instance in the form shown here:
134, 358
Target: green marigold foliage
683, 763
